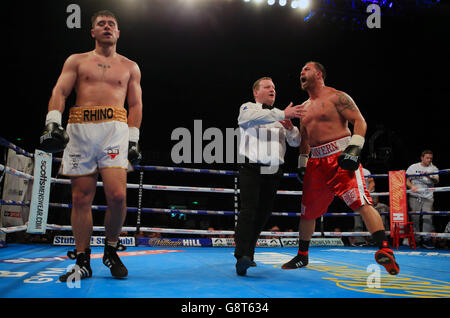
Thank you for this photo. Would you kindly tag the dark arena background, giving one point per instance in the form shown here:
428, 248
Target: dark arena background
199, 59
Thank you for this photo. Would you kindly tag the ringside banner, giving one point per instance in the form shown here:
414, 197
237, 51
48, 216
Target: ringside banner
397, 198
95, 240
37, 221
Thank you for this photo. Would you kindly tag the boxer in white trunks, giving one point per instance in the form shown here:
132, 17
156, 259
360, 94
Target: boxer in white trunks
101, 137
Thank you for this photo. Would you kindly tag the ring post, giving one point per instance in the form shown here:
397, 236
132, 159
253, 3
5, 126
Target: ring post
139, 209
236, 200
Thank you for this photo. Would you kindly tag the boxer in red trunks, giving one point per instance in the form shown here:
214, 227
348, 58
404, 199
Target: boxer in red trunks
329, 164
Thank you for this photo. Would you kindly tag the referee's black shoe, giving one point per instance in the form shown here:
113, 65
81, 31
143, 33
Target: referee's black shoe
242, 264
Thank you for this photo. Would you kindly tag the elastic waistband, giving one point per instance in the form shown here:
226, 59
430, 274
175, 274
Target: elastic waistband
96, 114
330, 148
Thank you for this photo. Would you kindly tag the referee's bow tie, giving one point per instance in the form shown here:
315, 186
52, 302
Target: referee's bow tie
264, 106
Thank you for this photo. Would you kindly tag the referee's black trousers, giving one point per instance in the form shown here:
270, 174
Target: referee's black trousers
257, 196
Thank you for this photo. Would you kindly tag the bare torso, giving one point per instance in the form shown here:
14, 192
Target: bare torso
322, 121
102, 81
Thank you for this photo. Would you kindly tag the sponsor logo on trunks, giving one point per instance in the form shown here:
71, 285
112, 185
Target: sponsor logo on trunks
324, 150
98, 114
112, 153
303, 209
75, 158
349, 197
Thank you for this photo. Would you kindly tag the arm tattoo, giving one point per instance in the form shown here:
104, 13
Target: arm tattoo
344, 103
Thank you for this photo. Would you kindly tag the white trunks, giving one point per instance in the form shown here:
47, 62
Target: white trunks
98, 139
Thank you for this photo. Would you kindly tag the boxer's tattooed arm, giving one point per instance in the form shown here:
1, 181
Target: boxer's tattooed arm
343, 102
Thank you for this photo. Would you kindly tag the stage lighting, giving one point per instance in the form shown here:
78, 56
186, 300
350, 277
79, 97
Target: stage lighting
309, 16
303, 4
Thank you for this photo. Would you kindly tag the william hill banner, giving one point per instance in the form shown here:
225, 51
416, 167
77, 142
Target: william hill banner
397, 198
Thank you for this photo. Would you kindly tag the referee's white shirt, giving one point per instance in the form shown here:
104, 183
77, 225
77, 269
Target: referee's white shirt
262, 137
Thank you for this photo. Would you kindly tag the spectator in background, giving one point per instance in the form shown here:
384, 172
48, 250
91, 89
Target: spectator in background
446, 243
381, 208
358, 222
274, 228
420, 199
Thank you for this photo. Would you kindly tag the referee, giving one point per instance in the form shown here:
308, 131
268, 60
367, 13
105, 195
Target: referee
264, 131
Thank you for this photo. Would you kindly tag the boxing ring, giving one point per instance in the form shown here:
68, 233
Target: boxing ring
199, 263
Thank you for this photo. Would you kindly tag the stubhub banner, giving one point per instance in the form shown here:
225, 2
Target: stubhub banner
95, 240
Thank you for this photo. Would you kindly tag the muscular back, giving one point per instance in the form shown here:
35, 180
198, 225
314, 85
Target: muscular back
324, 120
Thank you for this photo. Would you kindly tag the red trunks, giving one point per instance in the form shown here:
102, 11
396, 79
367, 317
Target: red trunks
324, 179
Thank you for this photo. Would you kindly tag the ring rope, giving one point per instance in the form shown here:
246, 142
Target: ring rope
214, 232
21, 151
197, 189
202, 212
211, 212
10, 145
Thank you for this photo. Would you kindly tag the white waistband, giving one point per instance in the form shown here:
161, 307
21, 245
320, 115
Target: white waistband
330, 148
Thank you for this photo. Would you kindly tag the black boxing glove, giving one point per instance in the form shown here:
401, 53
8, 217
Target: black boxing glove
301, 168
54, 138
349, 159
134, 154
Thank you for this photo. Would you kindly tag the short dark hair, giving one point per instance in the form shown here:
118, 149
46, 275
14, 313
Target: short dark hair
103, 13
426, 152
320, 67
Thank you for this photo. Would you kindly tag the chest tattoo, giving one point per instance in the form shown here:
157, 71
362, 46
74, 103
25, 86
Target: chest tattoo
104, 67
